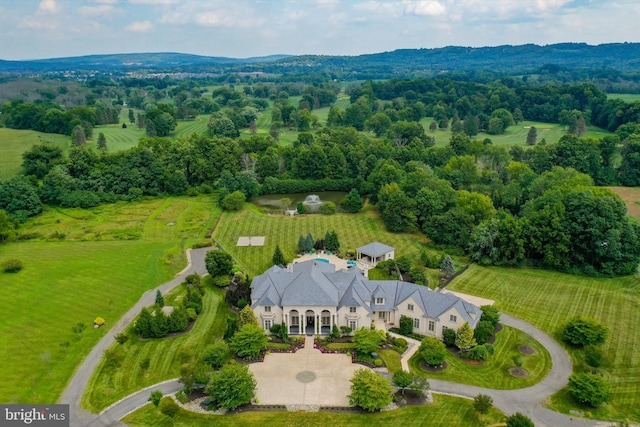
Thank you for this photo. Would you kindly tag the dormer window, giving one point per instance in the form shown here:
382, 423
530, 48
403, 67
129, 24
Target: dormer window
410, 307
453, 318
352, 309
267, 309
379, 301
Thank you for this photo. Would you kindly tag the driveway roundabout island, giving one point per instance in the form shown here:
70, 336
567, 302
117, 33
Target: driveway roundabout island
304, 378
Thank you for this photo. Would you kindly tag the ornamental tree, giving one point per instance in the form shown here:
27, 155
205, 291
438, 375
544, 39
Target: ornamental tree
406, 325
233, 386
249, 341
583, 331
482, 403
589, 388
368, 340
369, 390
464, 337
217, 354
402, 379
218, 263
519, 420
433, 351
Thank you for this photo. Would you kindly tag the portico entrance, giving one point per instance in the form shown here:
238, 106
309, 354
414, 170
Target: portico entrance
310, 326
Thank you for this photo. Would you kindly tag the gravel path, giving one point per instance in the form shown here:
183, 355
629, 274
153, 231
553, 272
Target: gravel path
77, 385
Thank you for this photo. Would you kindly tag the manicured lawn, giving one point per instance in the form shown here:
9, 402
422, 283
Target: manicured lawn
77, 279
444, 411
391, 360
494, 372
14, 142
353, 231
378, 274
341, 345
548, 299
165, 356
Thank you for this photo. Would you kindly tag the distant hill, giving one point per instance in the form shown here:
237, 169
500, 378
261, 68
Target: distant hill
402, 62
130, 62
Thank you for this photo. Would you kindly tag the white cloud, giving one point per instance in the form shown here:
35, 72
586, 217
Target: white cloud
140, 27
102, 10
154, 2
105, 1
48, 6
425, 8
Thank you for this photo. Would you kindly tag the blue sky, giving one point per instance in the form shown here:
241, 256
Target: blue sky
31, 29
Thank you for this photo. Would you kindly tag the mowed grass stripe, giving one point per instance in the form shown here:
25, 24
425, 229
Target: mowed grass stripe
548, 299
166, 356
444, 411
353, 231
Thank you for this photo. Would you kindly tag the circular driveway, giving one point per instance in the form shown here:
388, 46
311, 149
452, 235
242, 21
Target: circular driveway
307, 377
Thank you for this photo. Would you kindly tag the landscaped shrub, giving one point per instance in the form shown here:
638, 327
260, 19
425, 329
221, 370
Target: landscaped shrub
478, 353
328, 208
449, 337
369, 390
222, 281
583, 331
12, 265
483, 331
217, 354
400, 342
406, 325
490, 314
377, 363
233, 386
433, 351
168, 406
589, 388
368, 340
275, 329
346, 330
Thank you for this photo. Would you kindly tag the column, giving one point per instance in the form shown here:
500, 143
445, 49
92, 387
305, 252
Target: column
285, 319
303, 325
317, 323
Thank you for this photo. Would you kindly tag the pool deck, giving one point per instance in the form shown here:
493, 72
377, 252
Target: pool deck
341, 264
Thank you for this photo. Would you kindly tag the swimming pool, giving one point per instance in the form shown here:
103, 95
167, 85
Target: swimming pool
322, 260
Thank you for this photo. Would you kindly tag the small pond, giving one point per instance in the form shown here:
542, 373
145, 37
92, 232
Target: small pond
274, 201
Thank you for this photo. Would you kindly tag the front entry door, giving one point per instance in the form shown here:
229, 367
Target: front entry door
382, 315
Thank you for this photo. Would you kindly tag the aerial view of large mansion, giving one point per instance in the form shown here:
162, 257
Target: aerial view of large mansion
312, 296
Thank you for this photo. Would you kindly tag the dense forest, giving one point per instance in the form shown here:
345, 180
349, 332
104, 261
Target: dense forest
536, 204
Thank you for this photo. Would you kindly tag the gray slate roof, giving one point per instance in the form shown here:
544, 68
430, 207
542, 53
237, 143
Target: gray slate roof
313, 283
375, 249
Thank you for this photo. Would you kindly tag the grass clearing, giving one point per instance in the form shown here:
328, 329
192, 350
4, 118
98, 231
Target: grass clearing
516, 134
626, 97
77, 279
353, 231
631, 197
494, 372
14, 142
547, 299
163, 356
444, 411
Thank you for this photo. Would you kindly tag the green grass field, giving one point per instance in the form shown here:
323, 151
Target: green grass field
72, 281
626, 97
353, 231
514, 135
444, 411
548, 299
494, 372
14, 142
165, 356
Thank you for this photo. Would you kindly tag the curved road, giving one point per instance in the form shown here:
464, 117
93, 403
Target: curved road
75, 389
528, 401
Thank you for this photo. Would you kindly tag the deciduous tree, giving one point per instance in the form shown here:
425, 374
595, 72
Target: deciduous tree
369, 390
233, 386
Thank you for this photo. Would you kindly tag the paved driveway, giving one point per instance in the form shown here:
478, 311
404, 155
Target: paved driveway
307, 377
